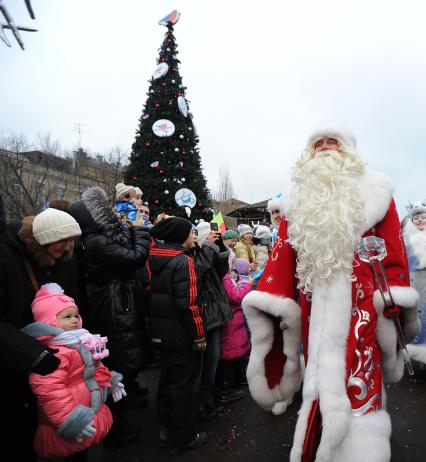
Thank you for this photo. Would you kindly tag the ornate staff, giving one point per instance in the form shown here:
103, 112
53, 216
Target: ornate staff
373, 249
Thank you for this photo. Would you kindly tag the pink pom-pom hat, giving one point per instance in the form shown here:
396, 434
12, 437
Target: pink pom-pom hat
48, 302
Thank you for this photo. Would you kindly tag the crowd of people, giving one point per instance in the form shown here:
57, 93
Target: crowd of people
93, 292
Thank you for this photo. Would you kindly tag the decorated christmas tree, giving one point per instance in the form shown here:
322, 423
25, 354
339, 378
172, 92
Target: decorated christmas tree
165, 161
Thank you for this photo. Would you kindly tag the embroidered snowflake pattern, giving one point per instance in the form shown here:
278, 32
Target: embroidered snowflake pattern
269, 279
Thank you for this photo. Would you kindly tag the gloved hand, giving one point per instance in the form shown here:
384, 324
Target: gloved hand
118, 392
391, 311
88, 431
199, 344
46, 362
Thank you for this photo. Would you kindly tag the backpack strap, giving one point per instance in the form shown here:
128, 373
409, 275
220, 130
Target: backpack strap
31, 274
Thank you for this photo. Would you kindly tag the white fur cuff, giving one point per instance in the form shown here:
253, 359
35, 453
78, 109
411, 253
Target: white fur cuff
407, 298
263, 311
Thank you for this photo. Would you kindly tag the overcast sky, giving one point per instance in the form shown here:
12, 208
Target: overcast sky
260, 75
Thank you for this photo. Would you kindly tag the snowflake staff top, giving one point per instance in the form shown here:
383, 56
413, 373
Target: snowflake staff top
165, 156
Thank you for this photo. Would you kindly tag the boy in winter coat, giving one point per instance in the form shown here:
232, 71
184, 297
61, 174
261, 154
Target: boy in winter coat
177, 331
235, 342
72, 413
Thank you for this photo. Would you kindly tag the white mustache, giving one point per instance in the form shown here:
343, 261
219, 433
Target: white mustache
329, 153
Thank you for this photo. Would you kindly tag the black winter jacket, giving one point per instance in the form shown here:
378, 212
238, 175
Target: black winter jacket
175, 312
211, 265
109, 260
18, 350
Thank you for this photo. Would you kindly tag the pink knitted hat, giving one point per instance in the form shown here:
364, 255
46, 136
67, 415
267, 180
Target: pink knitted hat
48, 302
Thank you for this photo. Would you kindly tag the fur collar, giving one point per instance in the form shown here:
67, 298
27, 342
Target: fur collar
96, 202
377, 190
39, 253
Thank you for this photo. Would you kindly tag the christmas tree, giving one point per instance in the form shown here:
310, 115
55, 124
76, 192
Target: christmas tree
165, 160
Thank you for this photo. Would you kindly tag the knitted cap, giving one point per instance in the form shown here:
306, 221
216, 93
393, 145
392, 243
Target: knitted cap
230, 234
241, 266
49, 301
53, 225
173, 229
343, 134
121, 189
243, 229
203, 229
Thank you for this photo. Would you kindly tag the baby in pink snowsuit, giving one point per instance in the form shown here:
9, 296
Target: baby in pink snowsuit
72, 411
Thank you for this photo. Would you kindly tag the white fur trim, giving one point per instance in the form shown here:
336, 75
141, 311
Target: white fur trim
407, 298
393, 360
343, 134
367, 440
326, 368
258, 307
377, 190
417, 352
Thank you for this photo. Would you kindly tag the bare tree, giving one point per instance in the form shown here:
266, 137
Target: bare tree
225, 190
26, 178
112, 172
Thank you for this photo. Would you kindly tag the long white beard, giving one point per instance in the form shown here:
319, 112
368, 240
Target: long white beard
326, 215
417, 241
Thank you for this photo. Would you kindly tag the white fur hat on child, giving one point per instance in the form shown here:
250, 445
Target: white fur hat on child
243, 229
203, 229
54, 225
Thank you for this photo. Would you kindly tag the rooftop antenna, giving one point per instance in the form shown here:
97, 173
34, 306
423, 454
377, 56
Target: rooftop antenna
79, 128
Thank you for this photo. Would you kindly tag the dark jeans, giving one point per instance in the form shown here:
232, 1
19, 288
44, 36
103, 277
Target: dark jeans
120, 422
231, 373
19, 415
211, 358
175, 397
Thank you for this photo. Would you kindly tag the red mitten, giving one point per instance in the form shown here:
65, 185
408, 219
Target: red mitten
391, 311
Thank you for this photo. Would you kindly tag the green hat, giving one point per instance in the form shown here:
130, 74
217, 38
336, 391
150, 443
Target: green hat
230, 234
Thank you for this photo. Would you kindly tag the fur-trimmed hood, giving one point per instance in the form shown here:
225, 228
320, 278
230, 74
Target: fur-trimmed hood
95, 214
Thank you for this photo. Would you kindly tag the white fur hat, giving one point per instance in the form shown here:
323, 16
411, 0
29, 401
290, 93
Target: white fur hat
53, 225
243, 229
274, 203
263, 234
121, 189
343, 134
414, 208
203, 229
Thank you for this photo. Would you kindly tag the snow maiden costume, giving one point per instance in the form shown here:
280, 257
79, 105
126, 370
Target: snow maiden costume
350, 348
415, 241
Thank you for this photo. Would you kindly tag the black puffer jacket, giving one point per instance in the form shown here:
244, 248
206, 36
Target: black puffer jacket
174, 312
211, 265
19, 350
111, 257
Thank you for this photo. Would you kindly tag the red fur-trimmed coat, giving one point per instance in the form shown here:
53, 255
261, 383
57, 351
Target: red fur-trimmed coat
350, 347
